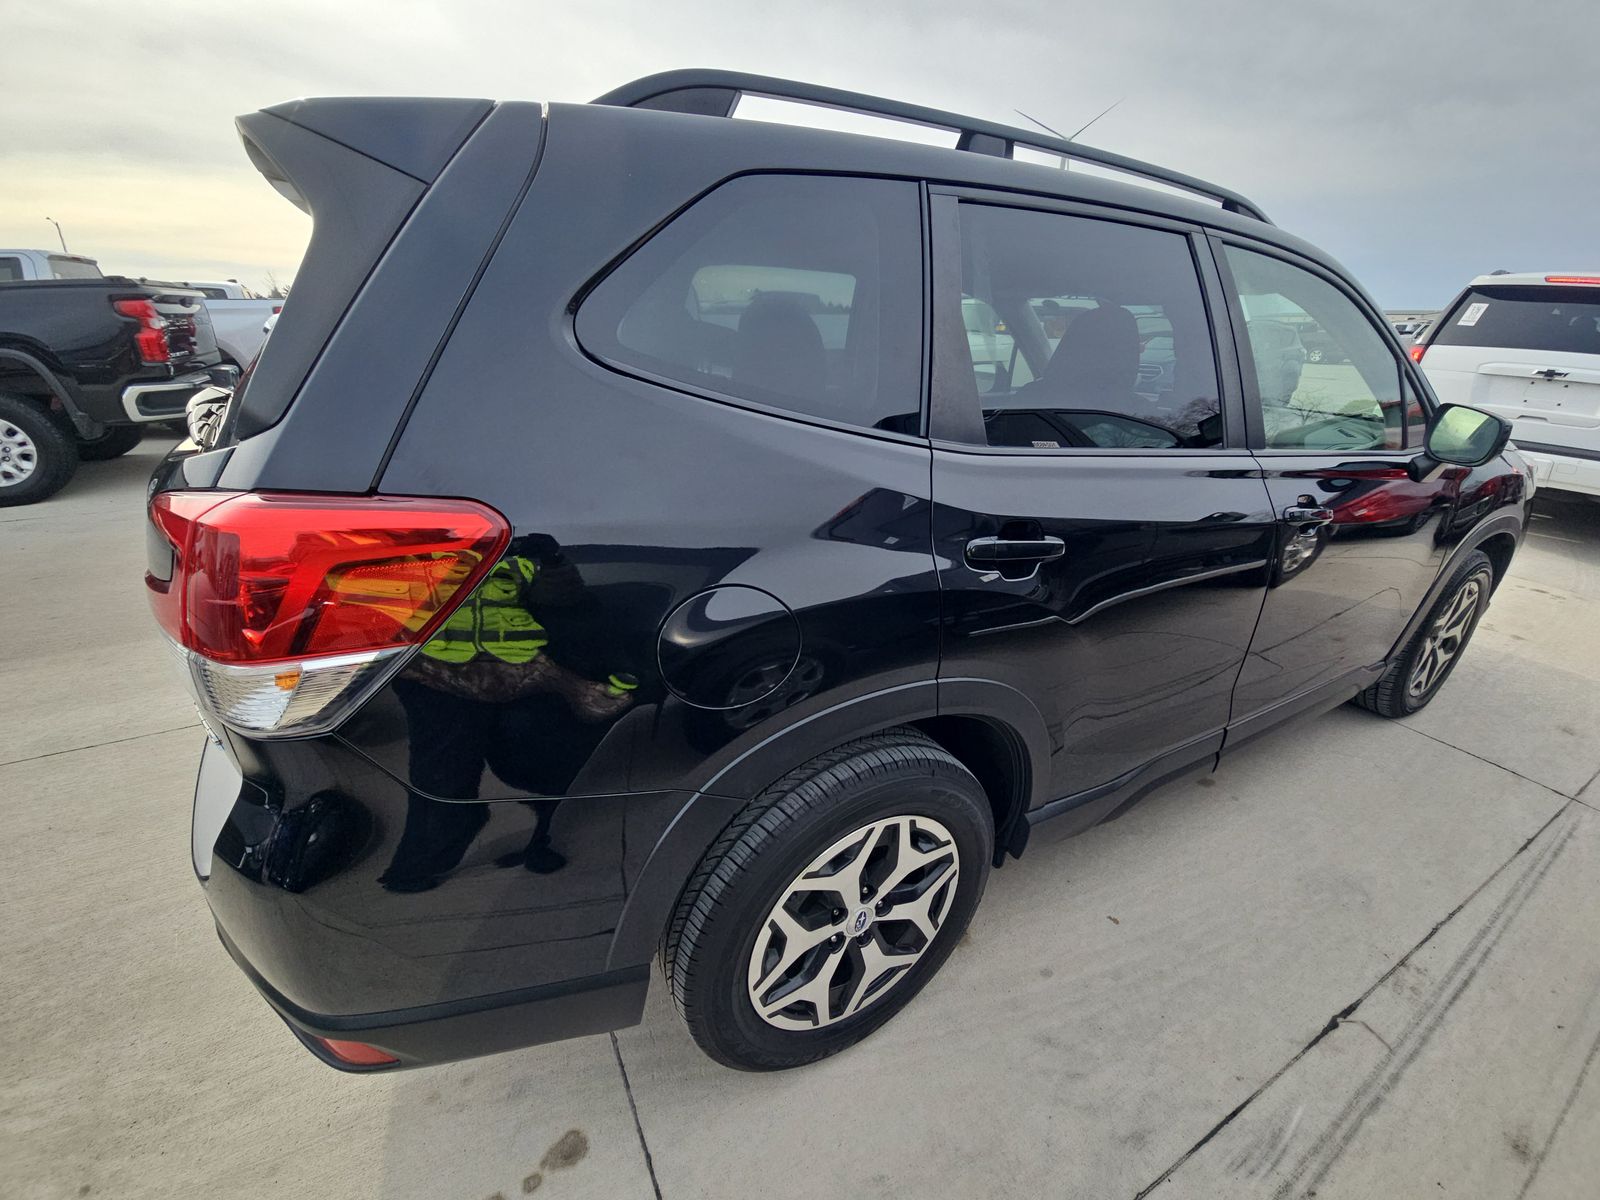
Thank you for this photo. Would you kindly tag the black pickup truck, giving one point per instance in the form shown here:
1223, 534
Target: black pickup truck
84, 365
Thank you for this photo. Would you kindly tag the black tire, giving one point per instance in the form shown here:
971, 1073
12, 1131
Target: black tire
30, 438
708, 947
113, 443
1394, 694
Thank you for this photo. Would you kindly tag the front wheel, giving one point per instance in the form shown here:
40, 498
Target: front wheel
829, 902
37, 456
1416, 674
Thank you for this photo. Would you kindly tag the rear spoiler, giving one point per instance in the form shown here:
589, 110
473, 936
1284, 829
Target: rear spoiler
358, 167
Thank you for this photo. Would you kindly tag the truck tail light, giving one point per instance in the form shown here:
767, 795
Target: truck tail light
152, 336
289, 610
1418, 349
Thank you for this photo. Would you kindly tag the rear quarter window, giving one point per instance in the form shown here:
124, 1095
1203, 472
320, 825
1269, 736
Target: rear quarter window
1561, 320
796, 293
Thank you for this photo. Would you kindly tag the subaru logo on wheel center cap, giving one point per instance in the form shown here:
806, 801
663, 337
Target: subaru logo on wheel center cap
863, 919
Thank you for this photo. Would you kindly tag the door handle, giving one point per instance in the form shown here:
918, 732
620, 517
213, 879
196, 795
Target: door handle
995, 550
1304, 514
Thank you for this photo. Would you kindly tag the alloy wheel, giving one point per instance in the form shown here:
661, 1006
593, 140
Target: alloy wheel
1445, 639
18, 455
853, 923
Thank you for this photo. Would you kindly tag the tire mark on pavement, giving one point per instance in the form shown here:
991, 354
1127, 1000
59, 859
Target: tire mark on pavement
1342, 1014
1315, 1164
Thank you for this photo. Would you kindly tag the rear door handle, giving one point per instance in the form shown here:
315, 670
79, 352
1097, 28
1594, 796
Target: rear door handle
1300, 514
994, 550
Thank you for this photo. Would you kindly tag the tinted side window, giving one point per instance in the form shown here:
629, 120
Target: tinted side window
10, 270
798, 293
1326, 378
1082, 332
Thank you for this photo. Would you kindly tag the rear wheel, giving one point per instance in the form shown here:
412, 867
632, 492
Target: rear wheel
829, 902
113, 443
1417, 673
37, 456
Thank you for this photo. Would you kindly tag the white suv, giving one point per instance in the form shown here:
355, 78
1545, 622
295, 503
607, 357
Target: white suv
1527, 346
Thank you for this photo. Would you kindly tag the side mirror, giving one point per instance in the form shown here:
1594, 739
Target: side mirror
1466, 437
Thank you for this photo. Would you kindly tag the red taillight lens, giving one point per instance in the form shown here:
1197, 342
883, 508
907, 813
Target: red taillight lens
1417, 351
356, 1054
1583, 280
152, 336
288, 611
279, 578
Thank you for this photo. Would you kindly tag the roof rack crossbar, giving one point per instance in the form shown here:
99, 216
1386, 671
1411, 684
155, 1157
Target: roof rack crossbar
716, 94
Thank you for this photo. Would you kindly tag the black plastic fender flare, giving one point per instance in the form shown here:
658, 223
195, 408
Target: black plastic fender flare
86, 425
707, 811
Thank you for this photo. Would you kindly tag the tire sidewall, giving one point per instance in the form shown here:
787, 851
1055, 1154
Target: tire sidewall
1483, 572
726, 941
57, 453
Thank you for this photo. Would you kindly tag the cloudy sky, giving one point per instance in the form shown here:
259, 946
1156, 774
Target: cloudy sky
1419, 143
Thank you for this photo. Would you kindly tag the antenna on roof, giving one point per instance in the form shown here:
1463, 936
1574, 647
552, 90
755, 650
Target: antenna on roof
1066, 137
1042, 125
1096, 117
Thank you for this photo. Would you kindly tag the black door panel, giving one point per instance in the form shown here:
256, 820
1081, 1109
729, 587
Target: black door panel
1342, 588
1130, 640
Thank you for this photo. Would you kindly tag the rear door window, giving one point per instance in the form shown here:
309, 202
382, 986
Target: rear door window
10, 270
1559, 320
1084, 333
796, 293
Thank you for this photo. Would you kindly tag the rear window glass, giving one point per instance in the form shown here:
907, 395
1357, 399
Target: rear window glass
796, 293
1563, 320
72, 268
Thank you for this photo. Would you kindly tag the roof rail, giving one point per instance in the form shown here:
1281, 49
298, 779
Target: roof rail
716, 94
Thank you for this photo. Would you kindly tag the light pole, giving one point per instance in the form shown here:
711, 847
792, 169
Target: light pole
59, 234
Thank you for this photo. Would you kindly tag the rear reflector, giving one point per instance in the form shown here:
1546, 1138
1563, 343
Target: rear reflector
1585, 280
288, 609
356, 1054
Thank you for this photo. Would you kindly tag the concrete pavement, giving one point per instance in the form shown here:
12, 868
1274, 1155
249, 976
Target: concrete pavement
1363, 959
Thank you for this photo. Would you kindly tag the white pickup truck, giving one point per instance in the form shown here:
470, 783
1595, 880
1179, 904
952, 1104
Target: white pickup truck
236, 314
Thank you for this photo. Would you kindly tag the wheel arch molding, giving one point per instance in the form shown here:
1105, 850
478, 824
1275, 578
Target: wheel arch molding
1491, 536
932, 707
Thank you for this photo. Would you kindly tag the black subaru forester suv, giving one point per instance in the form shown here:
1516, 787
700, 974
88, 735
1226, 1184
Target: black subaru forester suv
649, 534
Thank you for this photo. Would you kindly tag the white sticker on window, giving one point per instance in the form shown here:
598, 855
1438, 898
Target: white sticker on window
1474, 311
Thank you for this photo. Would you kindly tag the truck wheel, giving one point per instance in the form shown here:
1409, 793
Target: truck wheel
113, 443
1416, 674
37, 456
829, 902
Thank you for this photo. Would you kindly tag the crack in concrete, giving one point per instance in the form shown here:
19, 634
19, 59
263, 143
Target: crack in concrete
649, 1162
1502, 766
14, 762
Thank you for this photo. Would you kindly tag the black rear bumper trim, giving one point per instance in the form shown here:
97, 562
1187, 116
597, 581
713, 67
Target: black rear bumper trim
457, 1029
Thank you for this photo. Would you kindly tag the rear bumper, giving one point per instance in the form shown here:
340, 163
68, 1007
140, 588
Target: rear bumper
440, 1033
164, 400
1561, 467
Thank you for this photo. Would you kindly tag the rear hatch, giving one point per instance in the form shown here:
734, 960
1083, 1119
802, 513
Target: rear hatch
1527, 352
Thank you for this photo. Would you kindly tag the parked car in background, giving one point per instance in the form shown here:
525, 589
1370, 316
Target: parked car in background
86, 361
1527, 346
237, 314
18, 266
692, 582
